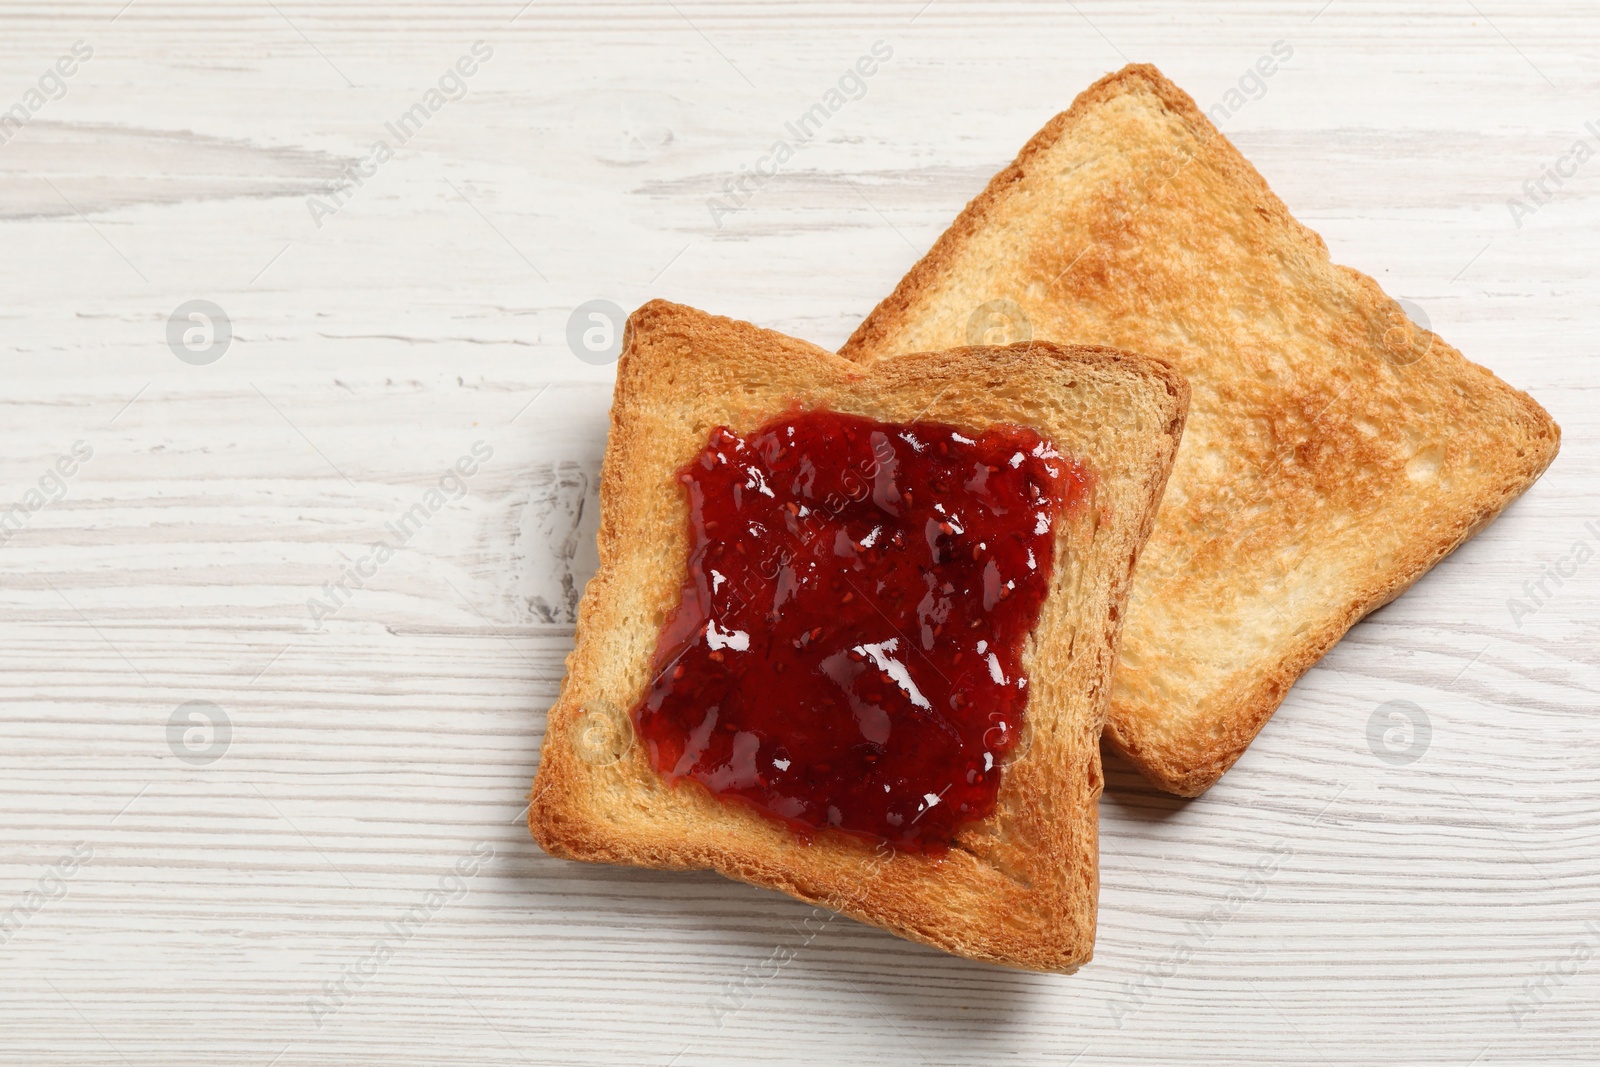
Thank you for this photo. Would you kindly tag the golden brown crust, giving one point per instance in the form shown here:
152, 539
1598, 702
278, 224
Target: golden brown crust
1018, 889
1334, 451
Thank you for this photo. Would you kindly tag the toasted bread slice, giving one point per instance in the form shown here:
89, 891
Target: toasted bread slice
1334, 451
1018, 888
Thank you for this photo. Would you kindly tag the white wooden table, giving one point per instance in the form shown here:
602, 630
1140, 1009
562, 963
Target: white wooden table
261, 882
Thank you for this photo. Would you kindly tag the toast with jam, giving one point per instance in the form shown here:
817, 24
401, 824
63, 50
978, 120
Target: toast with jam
1335, 451
852, 633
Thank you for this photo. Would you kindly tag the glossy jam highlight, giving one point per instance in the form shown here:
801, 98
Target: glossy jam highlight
847, 649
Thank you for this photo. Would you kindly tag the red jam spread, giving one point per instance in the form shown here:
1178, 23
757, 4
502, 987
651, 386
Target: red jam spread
847, 651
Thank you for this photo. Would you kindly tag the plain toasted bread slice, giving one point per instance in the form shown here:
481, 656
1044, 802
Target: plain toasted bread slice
1334, 450
1019, 888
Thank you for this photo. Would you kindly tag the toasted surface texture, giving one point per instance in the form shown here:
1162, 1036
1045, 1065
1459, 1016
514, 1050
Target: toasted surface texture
1334, 450
1018, 888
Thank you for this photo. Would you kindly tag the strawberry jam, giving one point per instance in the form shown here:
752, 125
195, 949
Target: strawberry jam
847, 649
